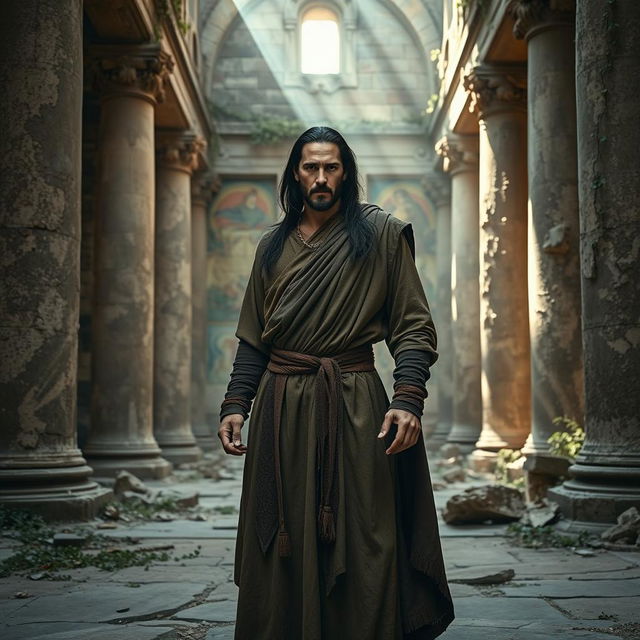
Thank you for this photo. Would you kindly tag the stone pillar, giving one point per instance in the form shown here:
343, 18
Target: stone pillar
41, 467
500, 100
554, 257
202, 189
438, 189
606, 475
177, 159
130, 81
460, 154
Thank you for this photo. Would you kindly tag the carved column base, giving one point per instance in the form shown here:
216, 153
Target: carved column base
182, 452
465, 436
53, 488
145, 463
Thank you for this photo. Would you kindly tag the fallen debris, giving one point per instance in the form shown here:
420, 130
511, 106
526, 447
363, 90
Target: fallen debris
68, 540
127, 482
540, 513
627, 531
476, 505
491, 578
454, 474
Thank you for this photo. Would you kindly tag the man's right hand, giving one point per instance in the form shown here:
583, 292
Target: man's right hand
230, 436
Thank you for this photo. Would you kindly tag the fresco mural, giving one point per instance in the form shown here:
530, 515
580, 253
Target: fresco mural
404, 198
240, 214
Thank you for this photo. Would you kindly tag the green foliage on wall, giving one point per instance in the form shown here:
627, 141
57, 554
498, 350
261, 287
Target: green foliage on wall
168, 10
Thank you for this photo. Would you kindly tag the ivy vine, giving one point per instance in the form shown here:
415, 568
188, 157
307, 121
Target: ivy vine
167, 10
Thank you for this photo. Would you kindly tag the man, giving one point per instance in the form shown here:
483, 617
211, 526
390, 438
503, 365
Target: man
337, 536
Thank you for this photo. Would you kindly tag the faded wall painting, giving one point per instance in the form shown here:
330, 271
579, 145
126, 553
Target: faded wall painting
240, 214
404, 198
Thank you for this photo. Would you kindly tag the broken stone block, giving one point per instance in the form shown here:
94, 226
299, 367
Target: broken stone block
515, 469
541, 513
455, 474
111, 512
476, 505
627, 530
127, 482
68, 540
490, 578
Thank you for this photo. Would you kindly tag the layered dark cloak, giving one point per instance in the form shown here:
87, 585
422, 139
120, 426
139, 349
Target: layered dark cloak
383, 578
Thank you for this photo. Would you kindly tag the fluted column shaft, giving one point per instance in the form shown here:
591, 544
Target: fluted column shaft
506, 380
121, 436
41, 466
606, 475
177, 158
461, 161
202, 187
554, 256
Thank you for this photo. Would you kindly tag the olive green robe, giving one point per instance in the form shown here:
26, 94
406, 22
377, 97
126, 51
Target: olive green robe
383, 578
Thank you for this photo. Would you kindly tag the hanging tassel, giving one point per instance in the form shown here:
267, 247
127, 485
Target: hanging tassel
284, 544
327, 524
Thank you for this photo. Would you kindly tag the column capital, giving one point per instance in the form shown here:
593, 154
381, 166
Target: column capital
437, 186
496, 88
180, 151
459, 153
204, 186
532, 16
141, 70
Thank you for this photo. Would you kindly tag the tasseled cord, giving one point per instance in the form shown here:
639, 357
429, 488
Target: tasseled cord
284, 543
327, 524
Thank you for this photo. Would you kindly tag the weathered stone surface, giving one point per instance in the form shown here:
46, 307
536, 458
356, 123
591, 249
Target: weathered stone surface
499, 98
460, 157
606, 476
203, 188
627, 531
486, 578
178, 156
121, 435
41, 467
222, 611
554, 246
454, 474
221, 633
540, 513
107, 600
76, 631
126, 481
497, 503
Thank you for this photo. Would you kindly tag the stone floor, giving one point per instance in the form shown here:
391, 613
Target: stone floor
554, 594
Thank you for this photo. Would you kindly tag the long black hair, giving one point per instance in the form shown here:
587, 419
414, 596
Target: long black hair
360, 231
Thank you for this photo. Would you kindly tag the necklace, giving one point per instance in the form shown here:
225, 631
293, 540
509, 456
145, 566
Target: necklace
310, 245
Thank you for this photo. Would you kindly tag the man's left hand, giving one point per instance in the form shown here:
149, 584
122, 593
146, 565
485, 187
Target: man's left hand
409, 429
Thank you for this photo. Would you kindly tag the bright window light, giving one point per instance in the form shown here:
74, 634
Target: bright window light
320, 42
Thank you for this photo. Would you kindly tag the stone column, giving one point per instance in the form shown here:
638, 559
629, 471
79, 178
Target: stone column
554, 257
177, 159
500, 100
41, 467
460, 154
438, 189
130, 81
606, 475
203, 187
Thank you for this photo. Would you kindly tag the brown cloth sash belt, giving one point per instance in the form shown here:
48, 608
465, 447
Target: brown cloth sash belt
329, 422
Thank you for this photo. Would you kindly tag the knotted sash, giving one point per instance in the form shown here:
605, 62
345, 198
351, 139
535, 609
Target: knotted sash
328, 418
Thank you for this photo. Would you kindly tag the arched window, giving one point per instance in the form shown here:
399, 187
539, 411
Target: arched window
320, 42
